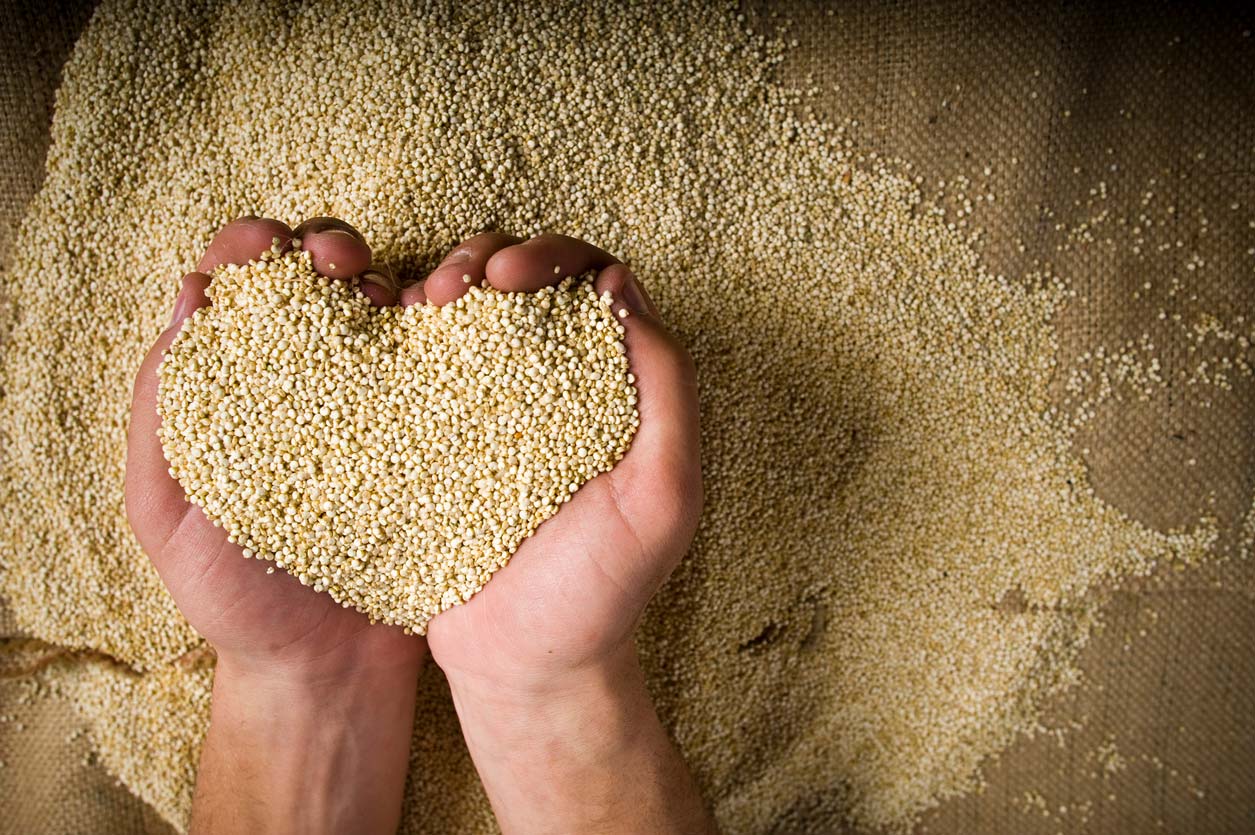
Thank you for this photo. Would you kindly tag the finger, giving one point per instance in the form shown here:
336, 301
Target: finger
413, 294
338, 250
322, 224
666, 382
542, 261
191, 297
464, 267
337, 253
243, 240
152, 494
379, 284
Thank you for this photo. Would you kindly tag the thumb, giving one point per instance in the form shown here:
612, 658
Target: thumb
667, 444
155, 505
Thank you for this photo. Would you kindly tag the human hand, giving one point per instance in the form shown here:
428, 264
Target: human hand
313, 708
571, 595
541, 661
254, 622
553, 626
613, 543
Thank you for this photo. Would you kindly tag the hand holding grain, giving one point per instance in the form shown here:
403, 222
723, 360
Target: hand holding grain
254, 622
312, 706
542, 657
541, 662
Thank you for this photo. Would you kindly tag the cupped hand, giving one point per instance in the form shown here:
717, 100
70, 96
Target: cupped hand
541, 662
572, 594
264, 624
574, 591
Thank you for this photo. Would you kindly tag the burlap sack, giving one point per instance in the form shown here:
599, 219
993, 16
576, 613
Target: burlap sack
1055, 99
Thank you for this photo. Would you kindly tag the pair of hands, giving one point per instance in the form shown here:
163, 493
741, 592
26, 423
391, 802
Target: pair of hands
552, 627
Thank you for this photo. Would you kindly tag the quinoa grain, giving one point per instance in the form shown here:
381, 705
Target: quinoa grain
896, 560
393, 458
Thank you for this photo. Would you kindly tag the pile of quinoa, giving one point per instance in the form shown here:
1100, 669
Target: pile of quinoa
391, 457
896, 561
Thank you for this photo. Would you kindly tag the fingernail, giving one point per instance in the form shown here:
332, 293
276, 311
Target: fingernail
459, 257
379, 279
338, 232
318, 225
634, 296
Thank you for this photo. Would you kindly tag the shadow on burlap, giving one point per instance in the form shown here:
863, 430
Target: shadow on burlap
1077, 114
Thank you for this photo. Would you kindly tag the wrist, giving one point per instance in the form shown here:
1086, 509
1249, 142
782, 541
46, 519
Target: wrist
581, 752
297, 749
525, 690
326, 682
555, 719
379, 654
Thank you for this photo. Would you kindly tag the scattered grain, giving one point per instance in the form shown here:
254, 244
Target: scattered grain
882, 466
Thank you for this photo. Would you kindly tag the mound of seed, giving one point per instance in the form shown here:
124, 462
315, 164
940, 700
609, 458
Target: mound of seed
898, 547
391, 457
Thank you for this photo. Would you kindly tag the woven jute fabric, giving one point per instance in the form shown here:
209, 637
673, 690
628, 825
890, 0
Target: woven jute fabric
1055, 99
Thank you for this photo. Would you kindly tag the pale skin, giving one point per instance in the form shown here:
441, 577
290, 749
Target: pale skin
313, 707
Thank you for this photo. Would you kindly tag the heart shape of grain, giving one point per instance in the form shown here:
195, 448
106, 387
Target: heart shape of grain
391, 457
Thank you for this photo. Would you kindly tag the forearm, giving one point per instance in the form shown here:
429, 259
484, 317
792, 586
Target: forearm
287, 755
583, 755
